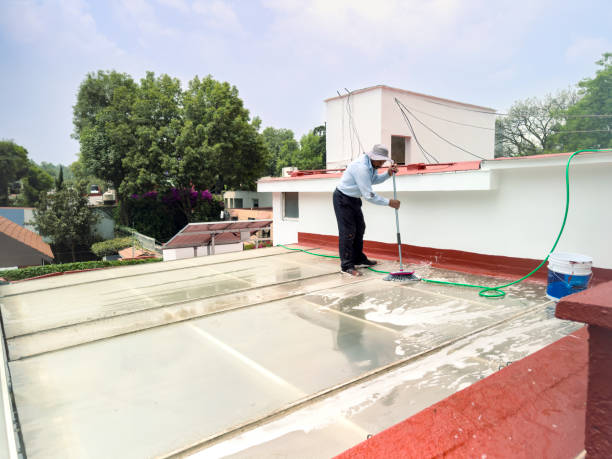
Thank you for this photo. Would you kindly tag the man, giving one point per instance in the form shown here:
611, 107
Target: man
357, 181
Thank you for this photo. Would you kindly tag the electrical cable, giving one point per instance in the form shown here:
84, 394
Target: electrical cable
451, 121
436, 134
495, 292
425, 153
352, 122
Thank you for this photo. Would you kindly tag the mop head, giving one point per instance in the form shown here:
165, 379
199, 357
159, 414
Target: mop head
401, 276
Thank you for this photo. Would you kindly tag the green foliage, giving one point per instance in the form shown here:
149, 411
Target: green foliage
66, 218
251, 245
312, 150
104, 126
155, 136
35, 271
284, 150
282, 147
595, 99
14, 165
35, 182
218, 147
531, 125
162, 216
111, 246
54, 170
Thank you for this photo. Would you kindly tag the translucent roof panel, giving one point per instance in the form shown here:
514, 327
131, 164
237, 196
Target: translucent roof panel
150, 361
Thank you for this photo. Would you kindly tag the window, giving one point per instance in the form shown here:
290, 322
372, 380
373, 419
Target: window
237, 203
398, 149
255, 203
290, 207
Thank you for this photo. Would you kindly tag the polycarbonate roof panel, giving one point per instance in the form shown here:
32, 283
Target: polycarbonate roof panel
180, 353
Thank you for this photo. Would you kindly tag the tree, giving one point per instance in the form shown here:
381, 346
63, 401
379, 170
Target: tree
156, 123
531, 125
282, 148
59, 182
54, 169
13, 164
103, 124
66, 218
218, 146
591, 116
35, 182
312, 150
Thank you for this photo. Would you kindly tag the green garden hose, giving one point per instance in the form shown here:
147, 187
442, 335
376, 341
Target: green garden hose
494, 292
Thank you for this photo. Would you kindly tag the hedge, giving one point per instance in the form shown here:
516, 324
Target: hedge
35, 271
112, 246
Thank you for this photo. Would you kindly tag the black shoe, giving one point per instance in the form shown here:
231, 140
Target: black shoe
366, 263
351, 272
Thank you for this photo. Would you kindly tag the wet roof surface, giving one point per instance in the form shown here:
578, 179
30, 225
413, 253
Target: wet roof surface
152, 360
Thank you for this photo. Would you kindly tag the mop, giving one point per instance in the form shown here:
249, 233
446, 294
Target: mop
401, 275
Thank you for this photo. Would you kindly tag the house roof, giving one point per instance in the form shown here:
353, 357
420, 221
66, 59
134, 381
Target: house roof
25, 236
199, 234
412, 93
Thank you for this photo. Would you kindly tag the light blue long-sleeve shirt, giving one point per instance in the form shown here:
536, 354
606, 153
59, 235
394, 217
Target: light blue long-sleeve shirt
358, 178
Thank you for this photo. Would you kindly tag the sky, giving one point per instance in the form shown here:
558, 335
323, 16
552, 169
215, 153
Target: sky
287, 56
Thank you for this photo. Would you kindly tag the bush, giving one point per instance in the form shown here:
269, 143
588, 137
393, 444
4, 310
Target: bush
261, 245
111, 246
35, 271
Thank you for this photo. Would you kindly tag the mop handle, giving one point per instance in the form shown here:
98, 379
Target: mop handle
399, 239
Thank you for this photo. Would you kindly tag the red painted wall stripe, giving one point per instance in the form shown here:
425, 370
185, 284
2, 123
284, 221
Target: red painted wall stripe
456, 260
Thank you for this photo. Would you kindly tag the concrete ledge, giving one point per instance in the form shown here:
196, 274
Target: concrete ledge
594, 307
532, 408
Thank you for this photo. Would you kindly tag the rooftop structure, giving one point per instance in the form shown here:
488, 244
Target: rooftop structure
357, 120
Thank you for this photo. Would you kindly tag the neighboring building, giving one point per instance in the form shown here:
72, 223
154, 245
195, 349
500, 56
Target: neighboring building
246, 200
212, 238
371, 115
21, 247
20, 215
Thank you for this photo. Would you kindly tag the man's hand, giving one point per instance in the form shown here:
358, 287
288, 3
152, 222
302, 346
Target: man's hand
392, 169
394, 203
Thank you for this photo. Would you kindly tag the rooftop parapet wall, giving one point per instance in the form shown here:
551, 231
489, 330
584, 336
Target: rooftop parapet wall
594, 307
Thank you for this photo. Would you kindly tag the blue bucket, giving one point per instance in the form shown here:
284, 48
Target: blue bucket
567, 273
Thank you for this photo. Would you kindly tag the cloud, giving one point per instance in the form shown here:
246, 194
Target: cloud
218, 14
179, 5
55, 27
416, 26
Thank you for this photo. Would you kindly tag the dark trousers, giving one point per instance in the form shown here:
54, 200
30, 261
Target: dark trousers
351, 227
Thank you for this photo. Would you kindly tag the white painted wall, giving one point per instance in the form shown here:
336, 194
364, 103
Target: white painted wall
265, 199
478, 141
518, 214
341, 142
377, 118
284, 230
177, 254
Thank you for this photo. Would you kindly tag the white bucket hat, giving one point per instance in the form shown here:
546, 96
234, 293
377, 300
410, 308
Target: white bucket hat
379, 153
